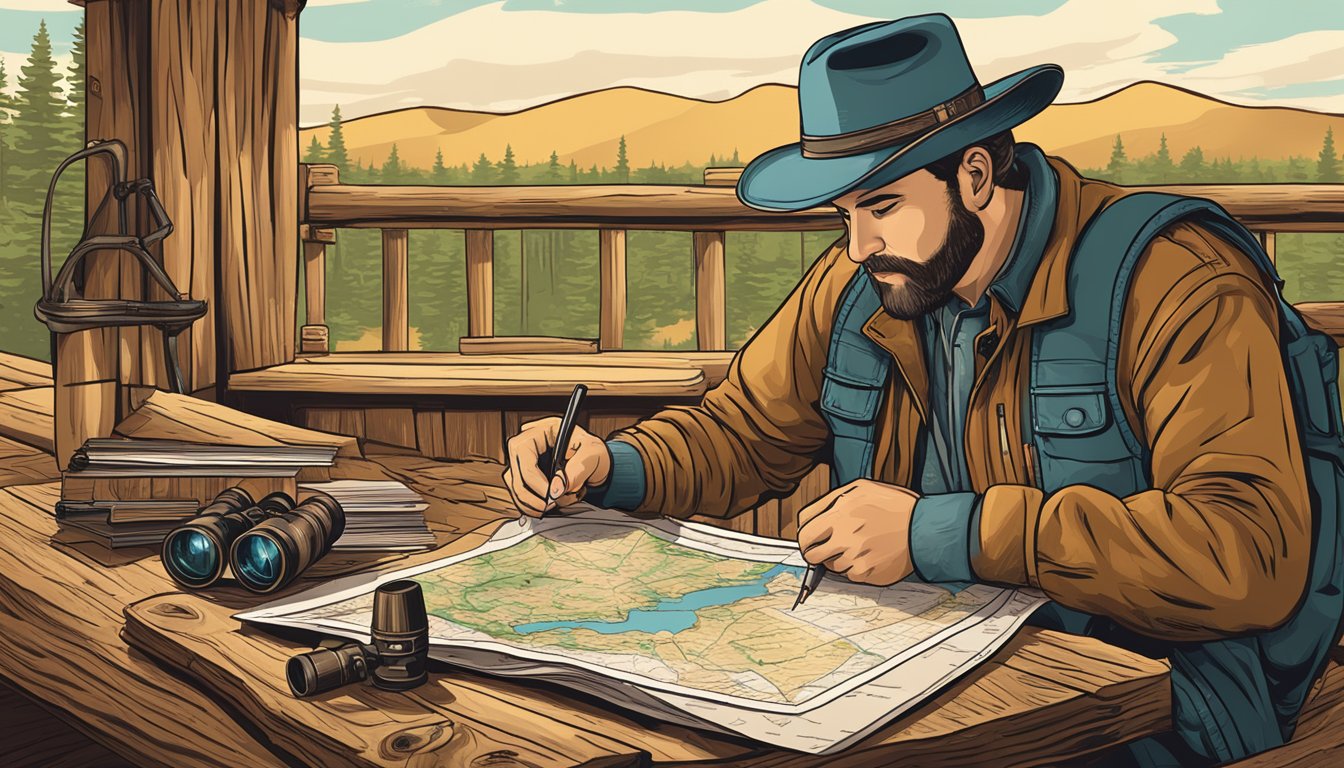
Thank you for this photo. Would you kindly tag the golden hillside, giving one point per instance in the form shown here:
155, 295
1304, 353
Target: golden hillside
668, 129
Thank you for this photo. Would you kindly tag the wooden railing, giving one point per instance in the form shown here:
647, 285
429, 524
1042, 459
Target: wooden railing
708, 211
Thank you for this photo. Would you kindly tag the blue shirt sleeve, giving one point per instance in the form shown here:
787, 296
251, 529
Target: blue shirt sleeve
624, 488
941, 539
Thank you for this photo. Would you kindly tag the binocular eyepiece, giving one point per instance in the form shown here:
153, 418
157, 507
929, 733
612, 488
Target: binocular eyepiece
267, 544
396, 659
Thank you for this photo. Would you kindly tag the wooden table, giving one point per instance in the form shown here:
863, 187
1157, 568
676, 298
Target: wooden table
166, 678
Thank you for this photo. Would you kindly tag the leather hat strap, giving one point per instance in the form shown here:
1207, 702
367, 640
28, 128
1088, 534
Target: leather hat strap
894, 132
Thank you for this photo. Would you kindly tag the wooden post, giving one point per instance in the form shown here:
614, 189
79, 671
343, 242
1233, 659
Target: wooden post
396, 312
611, 271
314, 334
1267, 240
480, 282
710, 324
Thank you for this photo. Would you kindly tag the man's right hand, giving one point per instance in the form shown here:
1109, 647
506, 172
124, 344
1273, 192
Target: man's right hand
587, 465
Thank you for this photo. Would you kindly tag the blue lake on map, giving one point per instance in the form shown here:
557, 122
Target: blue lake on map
672, 615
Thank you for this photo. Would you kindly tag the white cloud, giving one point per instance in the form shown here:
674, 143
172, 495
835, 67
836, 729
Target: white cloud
45, 6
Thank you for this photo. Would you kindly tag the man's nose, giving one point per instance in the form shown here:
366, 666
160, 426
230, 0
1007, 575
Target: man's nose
864, 240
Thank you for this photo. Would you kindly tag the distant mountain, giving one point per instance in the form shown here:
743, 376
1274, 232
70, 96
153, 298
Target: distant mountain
661, 128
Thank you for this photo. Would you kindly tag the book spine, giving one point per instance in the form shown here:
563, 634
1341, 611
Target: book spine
200, 489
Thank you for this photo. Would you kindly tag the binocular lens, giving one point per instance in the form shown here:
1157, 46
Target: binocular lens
276, 551
194, 553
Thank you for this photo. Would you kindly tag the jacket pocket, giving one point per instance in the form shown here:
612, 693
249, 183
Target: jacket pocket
1075, 424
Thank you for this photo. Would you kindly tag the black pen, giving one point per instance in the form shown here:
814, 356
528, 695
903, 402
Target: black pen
811, 580
562, 439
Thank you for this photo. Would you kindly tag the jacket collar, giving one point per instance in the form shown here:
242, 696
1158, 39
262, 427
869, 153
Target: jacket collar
1032, 285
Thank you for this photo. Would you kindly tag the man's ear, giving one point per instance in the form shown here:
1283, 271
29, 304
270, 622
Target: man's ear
975, 177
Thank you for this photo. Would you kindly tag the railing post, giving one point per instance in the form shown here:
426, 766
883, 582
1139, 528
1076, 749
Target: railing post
611, 271
710, 332
1267, 240
480, 282
313, 334
396, 309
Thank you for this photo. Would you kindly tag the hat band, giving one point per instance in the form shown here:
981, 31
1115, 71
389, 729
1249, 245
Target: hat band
895, 132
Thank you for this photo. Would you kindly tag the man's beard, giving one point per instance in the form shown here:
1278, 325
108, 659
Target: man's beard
929, 284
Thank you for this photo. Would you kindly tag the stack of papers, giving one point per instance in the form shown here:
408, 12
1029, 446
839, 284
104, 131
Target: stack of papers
380, 515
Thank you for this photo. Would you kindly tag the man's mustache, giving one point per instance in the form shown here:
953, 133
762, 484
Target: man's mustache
885, 262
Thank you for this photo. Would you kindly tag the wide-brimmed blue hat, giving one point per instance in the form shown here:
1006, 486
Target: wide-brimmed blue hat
882, 100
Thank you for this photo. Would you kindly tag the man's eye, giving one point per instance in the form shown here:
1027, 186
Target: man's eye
884, 209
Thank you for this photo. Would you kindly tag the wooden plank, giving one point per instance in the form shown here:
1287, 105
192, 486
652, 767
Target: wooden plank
255, 105
315, 283
25, 416
722, 177
1281, 207
471, 380
604, 424
314, 340
168, 416
61, 643
19, 372
766, 521
713, 364
524, 345
390, 426
36, 738
480, 282
710, 309
430, 435
473, 436
22, 464
1324, 316
612, 288
309, 233
396, 306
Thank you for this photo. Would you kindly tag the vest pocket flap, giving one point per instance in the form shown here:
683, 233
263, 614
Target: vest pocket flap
855, 402
1070, 411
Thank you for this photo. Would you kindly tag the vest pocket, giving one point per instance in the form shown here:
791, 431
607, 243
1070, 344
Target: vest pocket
851, 401
1074, 423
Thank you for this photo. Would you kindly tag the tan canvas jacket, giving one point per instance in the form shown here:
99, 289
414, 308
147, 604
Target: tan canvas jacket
1220, 545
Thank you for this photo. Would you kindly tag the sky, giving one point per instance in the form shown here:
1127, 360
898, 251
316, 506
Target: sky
371, 56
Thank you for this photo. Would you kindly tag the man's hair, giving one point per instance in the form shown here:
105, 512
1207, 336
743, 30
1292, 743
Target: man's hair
1007, 173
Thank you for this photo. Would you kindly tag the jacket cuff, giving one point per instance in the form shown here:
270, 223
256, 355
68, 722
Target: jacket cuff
624, 488
1007, 531
940, 536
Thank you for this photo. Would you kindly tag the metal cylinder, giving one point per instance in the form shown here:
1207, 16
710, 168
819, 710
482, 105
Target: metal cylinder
271, 555
194, 554
329, 668
400, 631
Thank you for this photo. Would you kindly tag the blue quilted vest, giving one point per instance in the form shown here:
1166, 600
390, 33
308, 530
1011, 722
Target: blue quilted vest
1233, 697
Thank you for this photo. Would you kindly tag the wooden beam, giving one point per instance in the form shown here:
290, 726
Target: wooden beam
314, 333
396, 308
524, 345
722, 177
1281, 207
611, 270
480, 282
1325, 316
710, 325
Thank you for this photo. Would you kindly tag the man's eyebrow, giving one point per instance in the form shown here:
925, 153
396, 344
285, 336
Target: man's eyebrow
876, 200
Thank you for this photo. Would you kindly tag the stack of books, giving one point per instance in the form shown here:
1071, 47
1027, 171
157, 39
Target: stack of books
380, 515
120, 481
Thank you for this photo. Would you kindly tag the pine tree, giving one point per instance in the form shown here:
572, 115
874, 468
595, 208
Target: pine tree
508, 168
1296, 170
483, 172
1162, 163
39, 116
736, 159
393, 171
76, 80
336, 154
1327, 164
622, 163
1192, 165
553, 170
573, 171
1116, 168
315, 153
4, 138
439, 173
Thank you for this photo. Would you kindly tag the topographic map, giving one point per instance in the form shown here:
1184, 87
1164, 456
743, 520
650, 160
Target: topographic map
687, 622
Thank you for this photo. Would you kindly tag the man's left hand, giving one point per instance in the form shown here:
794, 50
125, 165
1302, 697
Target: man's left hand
860, 530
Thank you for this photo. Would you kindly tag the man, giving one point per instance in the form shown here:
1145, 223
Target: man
949, 462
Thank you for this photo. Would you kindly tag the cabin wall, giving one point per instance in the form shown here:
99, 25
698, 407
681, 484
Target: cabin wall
204, 96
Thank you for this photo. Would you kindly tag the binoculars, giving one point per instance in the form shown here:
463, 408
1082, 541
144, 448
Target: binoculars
267, 544
396, 658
